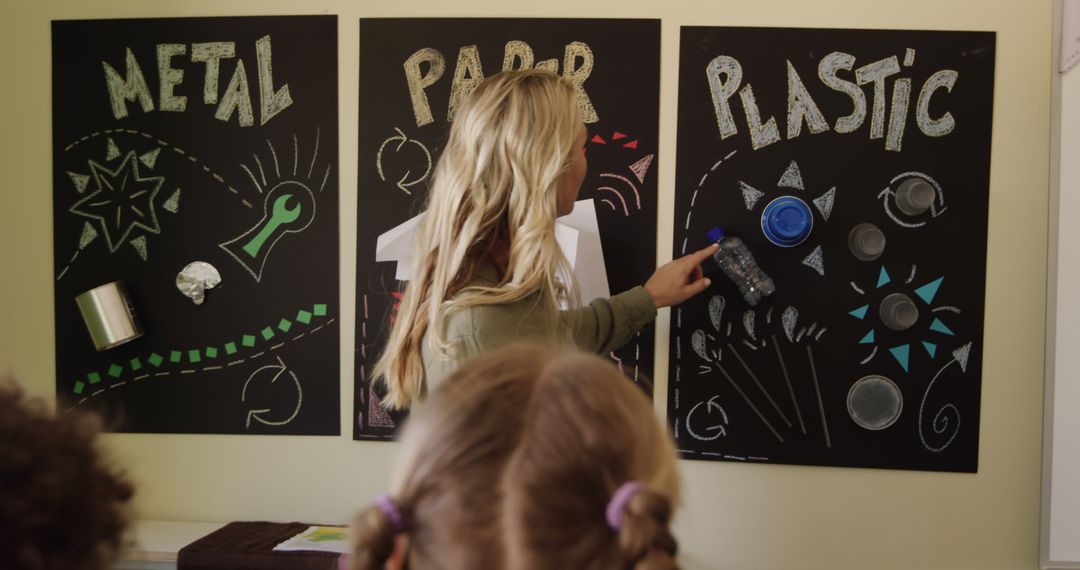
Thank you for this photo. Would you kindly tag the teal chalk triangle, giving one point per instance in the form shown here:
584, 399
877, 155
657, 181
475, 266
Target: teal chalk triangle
883, 278
940, 327
860, 313
869, 338
901, 354
927, 292
931, 348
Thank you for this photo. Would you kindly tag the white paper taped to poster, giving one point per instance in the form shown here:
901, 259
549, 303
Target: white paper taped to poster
577, 233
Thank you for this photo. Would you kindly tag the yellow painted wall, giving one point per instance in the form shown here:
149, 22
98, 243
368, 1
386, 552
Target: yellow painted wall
736, 516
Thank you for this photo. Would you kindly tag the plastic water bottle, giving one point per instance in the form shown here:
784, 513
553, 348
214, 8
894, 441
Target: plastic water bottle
736, 261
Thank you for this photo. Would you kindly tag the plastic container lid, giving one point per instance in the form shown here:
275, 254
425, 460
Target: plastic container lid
787, 221
715, 234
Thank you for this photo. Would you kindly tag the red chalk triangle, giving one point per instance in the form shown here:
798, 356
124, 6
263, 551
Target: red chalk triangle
631, 144
617, 136
599, 140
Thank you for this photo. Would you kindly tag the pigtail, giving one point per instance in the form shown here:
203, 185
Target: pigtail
645, 541
374, 535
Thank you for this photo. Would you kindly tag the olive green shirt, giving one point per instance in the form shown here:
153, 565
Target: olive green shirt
601, 326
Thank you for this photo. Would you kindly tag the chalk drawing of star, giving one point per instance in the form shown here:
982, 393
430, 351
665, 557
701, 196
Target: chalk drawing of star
121, 201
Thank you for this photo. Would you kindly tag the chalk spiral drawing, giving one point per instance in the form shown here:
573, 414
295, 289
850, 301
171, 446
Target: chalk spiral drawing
947, 416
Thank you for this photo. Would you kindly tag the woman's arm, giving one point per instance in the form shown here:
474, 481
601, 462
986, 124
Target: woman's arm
607, 324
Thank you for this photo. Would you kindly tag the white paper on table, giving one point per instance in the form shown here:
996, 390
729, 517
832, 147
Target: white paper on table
318, 539
577, 233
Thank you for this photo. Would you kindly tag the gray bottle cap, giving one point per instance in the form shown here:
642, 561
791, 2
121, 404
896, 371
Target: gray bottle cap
915, 196
866, 242
898, 312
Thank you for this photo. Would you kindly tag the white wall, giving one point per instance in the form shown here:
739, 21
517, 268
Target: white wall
736, 516
1061, 501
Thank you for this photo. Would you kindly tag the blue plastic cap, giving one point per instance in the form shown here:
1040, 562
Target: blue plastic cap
787, 221
715, 234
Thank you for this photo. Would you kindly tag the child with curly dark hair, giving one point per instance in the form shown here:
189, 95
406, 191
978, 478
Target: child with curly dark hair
61, 505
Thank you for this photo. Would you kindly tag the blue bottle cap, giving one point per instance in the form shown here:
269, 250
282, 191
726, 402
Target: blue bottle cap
715, 234
787, 221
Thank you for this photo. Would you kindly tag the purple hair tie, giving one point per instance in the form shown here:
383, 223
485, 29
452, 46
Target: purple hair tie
618, 503
390, 510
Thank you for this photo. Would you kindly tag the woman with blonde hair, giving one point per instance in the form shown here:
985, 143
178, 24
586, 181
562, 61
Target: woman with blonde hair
486, 267
528, 457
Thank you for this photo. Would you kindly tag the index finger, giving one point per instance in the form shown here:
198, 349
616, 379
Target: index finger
702, 254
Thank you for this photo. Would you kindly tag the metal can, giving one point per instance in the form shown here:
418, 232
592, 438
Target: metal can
108, 315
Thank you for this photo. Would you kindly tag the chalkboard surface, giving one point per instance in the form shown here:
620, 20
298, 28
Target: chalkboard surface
403, 128
212, 140
868, 361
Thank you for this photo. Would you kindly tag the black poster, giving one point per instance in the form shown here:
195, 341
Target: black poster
190, 153
855, 166
412, 71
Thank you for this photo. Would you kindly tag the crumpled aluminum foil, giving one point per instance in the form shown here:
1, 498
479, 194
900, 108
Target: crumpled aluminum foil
195, 279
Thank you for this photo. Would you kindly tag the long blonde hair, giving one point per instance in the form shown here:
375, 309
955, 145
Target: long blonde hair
495, 185
511, 464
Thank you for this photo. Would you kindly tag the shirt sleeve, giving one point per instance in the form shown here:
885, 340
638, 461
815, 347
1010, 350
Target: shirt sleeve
607, 324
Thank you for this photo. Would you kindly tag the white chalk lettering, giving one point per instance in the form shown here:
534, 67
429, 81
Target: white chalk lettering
827, 69
761, 135
517, 55
467, 75
277, 101
211, 54
935, 127
722, 90
169, 77
876, 73
888, 119
128, 88
418, 82
551, 65
901, 99
577, 75
132, 85
425, 68
801, 106
237, 98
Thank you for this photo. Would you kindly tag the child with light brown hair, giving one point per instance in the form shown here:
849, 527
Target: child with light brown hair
528, 457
